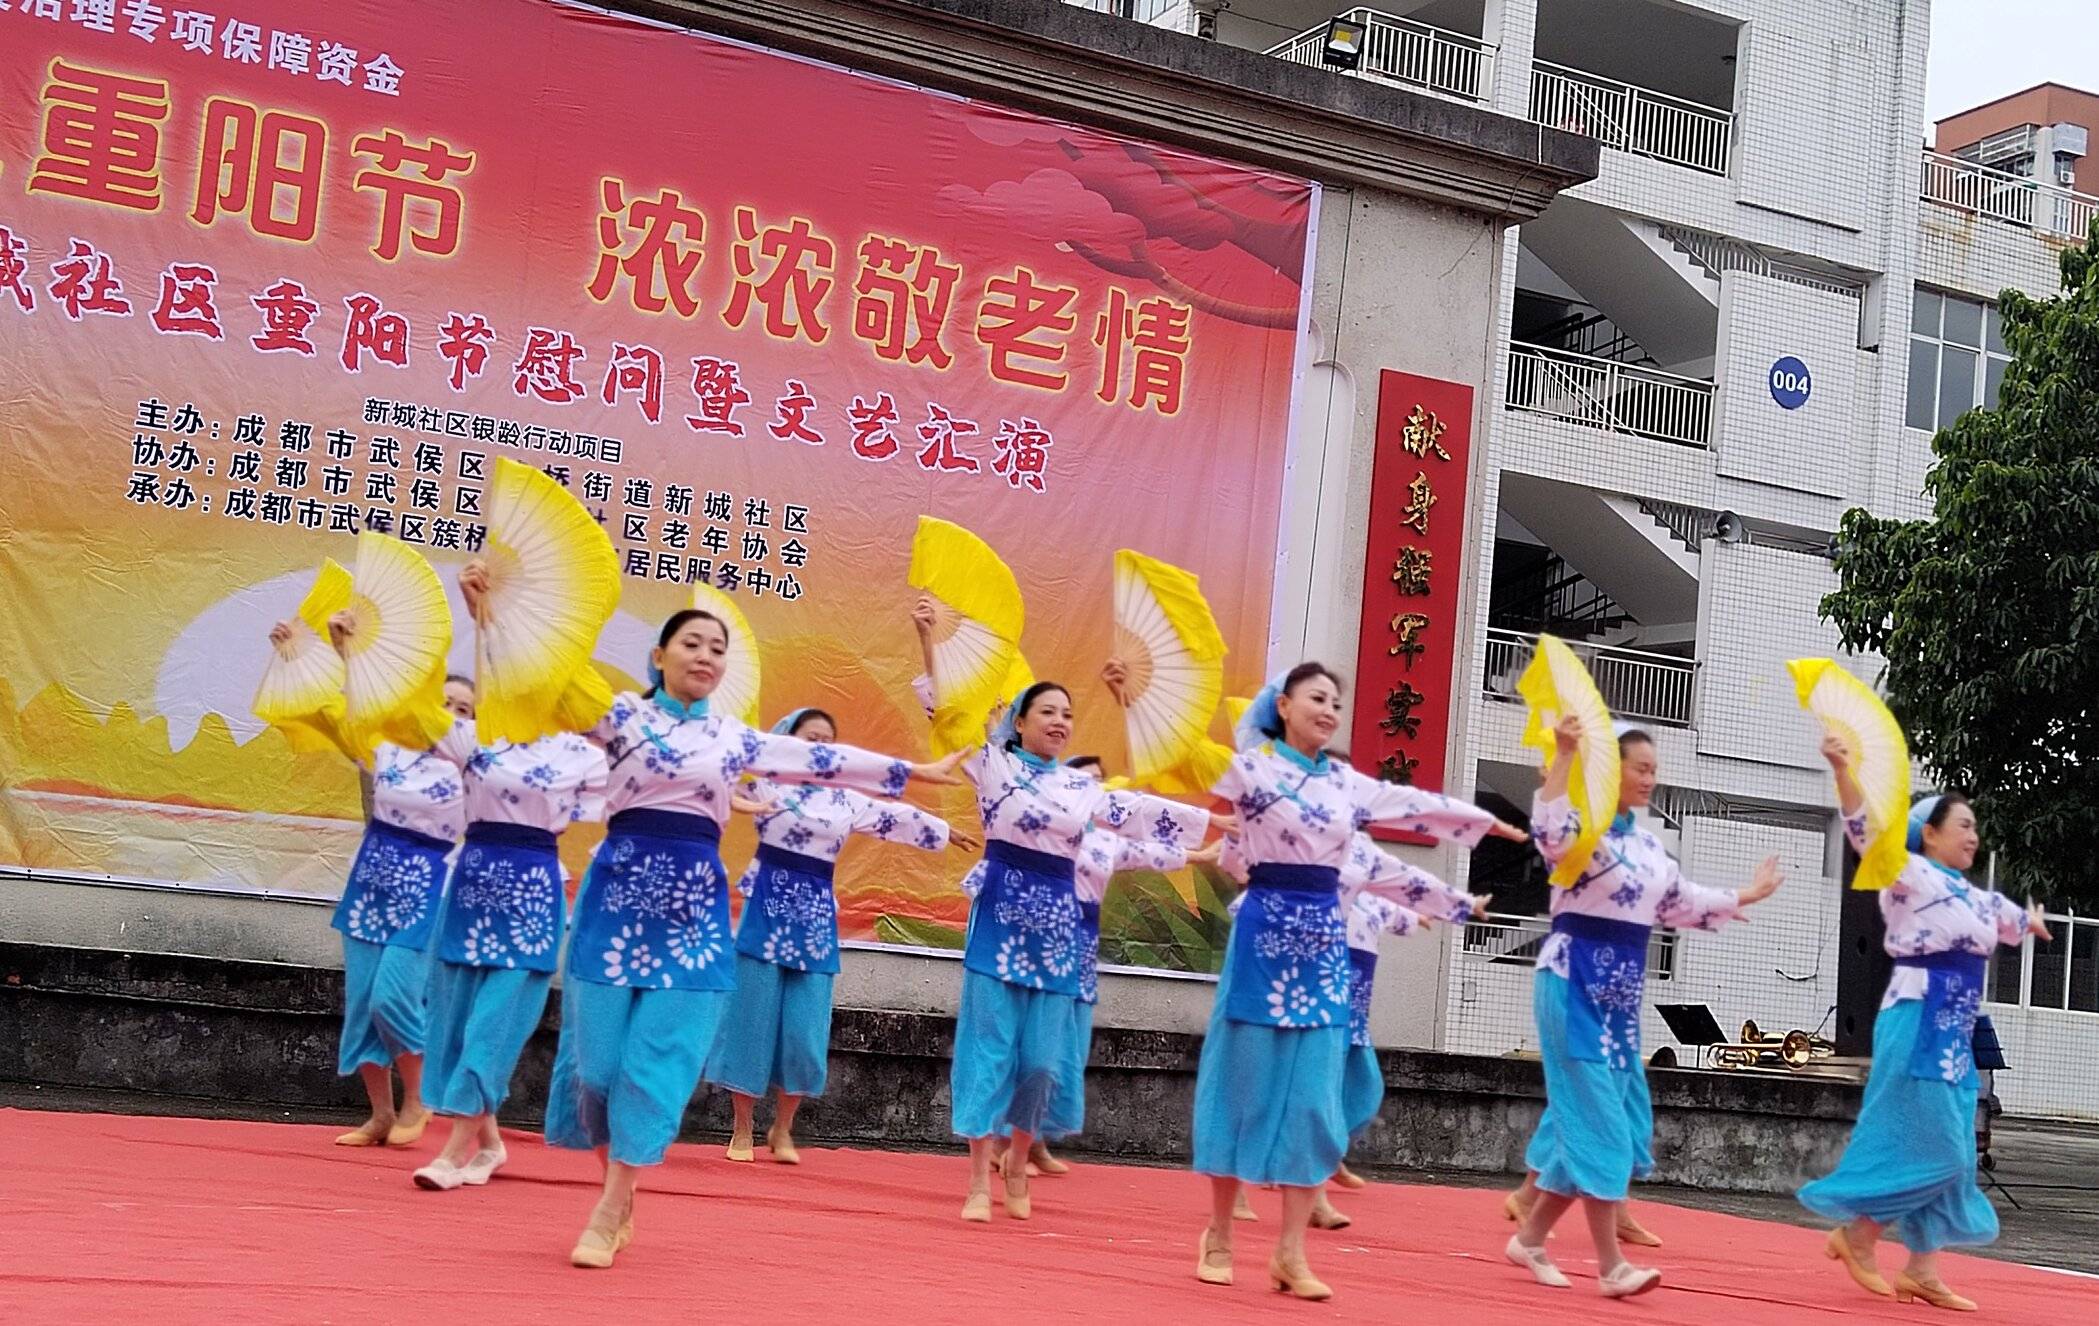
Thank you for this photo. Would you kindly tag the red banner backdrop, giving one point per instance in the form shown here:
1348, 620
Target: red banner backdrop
274, 273
1406, 661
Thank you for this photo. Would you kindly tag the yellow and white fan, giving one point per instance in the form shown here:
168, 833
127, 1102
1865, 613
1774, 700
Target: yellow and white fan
1556, 685
1848, 709
1168, 640
302, 686
737, 692
977, 621
394, 659
553, 584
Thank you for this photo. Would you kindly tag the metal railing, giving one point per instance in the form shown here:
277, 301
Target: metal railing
1400, 50
1603, 393
1506, 938
1632, 119
1715, 254
1651, 688
2046, 208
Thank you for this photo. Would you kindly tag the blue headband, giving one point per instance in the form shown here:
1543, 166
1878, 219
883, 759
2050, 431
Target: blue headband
785, 727
1920, 814
1008, 725
1261, 720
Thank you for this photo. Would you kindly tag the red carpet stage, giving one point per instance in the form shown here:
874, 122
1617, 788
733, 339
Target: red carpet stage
179, 1221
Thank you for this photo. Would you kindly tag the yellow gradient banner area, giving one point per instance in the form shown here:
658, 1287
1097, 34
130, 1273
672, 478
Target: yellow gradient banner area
278, 275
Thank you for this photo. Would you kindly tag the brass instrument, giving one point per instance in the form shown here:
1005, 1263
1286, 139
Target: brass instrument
1794, 1050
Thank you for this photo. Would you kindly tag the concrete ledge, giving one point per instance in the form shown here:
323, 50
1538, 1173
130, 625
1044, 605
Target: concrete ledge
264, 1034
1097, 69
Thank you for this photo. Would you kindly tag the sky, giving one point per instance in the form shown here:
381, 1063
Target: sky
1984, 49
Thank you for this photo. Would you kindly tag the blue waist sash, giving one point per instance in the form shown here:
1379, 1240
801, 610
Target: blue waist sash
1944, 1050
678, 824
1089, 952
496, 833
394, 887
1362, 972
1288, 956
1607, 967
1294, 878
1024, 928
791, 917
1002, 853
654, 909
505, 908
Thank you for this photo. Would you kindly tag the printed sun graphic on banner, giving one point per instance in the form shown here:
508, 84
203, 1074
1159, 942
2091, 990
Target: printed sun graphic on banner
274, 276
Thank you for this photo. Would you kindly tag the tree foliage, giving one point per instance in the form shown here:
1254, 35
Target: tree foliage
1987, 613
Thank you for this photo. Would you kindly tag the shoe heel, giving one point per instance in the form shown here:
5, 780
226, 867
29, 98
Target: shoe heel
1904, 1296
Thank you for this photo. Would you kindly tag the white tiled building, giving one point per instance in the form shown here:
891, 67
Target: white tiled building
1738, 316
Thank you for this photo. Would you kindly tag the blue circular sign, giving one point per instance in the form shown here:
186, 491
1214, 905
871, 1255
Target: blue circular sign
1790, 383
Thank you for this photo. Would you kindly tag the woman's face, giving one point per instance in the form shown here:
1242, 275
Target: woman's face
1045, 729
1955, 841
692, 661
459, 700
1311, 714
816, 728
1639, 769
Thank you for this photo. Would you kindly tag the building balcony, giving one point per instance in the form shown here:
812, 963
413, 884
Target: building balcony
1405, 53
2045, 209
1606, 394
1633, 119
1637, 685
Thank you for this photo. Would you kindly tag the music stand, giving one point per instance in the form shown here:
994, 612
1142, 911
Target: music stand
1989, 1059
1693, 1025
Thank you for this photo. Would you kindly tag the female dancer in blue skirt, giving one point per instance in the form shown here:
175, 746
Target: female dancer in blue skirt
388, 908
1373, 883
1018, 1025
1102, 855
1598, 1123
500, 933
1268, 1091
1909, 1170
776, 1034
650, 966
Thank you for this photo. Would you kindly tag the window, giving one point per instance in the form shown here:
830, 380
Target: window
1957, 358
2064, 970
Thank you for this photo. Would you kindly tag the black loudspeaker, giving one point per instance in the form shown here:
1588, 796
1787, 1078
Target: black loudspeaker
1863, 966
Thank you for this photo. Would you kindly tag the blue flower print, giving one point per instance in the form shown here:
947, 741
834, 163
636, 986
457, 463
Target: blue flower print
1032, 821
885, 825
824, 761
1627, 895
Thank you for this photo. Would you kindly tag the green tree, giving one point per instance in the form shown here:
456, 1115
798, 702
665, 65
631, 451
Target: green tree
1988, 612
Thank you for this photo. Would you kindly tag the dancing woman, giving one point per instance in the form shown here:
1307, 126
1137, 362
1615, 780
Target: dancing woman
1102, 855
1018, 1027
1598, 1123
388, 908
1371, 880
649, 968
1268, 1106
500, 933
1909, 1169
776, 1033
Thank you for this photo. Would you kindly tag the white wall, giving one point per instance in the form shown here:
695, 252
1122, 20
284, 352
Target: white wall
1758, 610
1788, 455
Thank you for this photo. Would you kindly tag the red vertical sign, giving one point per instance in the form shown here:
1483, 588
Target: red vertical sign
1406, 661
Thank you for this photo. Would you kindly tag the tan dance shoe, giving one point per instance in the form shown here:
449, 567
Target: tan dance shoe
1345, 1177
1933, 1292
1243, 1209
781, 1145
1633, 1232
1298, 1281
1213, 1261
1324, 1216
1018, 1204
408, 1130
366, 1134
1838, 1249
595, 1249
977, 1210
739, 1148
1040, 1161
